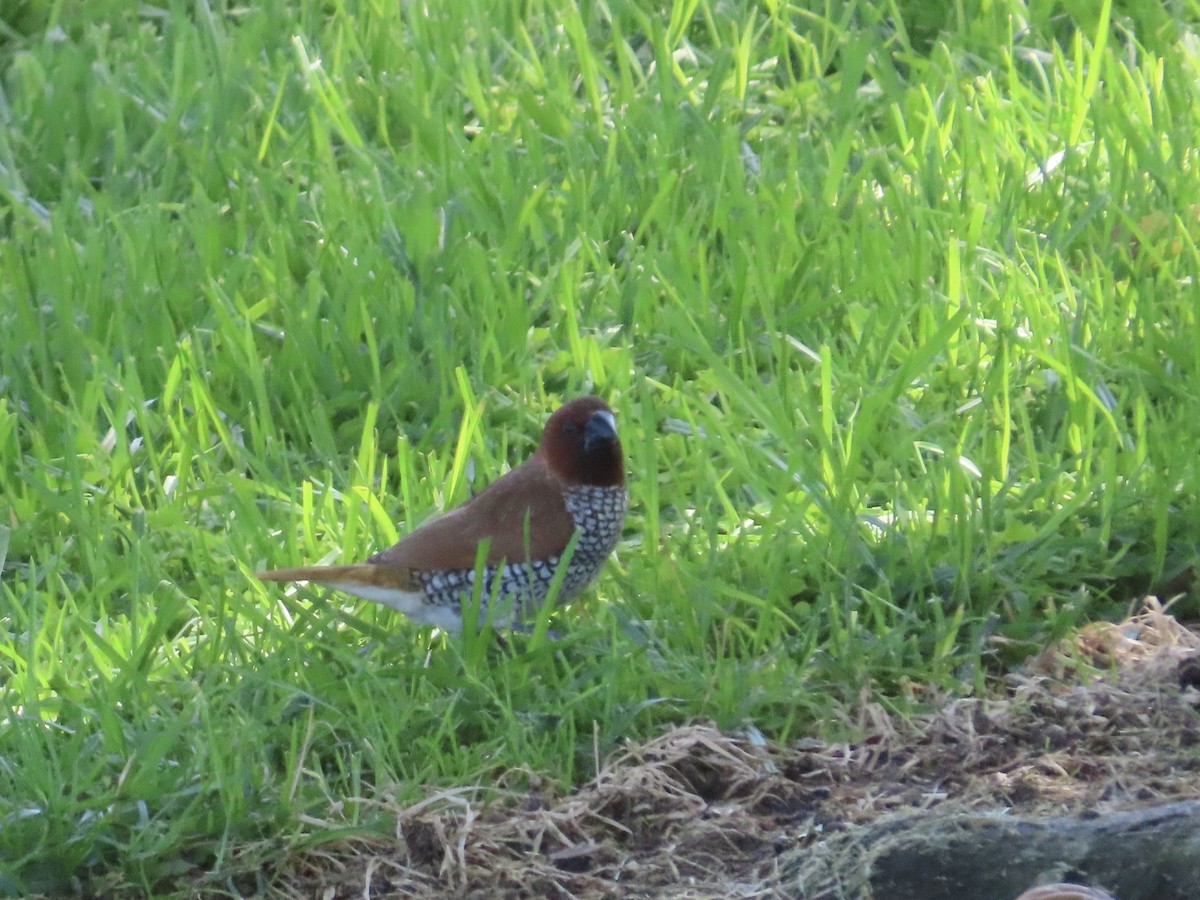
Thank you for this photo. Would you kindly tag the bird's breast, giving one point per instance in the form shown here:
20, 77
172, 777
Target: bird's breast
599, 514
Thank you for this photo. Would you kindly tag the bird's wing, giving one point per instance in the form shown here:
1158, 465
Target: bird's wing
522, 514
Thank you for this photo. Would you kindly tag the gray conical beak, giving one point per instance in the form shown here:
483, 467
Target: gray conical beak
601, 430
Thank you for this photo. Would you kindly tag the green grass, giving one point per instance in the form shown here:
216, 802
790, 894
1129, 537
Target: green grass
896, 307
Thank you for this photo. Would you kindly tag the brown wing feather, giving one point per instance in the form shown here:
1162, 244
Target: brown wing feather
499, 513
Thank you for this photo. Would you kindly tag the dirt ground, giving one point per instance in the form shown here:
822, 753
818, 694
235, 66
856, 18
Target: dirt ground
1087, 756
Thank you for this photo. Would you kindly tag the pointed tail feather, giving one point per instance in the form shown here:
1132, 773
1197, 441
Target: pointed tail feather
393, 586
367, 575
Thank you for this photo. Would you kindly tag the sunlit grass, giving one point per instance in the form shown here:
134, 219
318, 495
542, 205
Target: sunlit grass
896, 309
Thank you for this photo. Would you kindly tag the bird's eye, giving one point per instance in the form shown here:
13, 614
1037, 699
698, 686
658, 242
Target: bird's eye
570, 429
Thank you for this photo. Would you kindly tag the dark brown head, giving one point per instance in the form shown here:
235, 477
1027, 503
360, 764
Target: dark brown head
581, 446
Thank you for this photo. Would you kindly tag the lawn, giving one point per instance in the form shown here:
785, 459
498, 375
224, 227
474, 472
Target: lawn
895, 302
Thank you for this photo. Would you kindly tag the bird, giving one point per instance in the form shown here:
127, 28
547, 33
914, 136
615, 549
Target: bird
572, 488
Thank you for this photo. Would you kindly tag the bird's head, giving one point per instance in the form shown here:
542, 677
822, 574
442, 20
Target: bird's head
581, 446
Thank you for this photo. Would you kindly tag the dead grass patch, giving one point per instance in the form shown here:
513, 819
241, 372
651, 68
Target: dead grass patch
1102, 722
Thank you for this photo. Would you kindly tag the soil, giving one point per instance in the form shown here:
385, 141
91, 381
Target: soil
1084, 768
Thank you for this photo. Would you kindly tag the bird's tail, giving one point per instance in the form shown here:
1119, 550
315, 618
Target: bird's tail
393, 586
367, 575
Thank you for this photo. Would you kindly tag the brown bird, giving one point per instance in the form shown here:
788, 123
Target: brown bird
574, 485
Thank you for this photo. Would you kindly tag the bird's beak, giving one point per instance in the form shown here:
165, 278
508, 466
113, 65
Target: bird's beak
601, 430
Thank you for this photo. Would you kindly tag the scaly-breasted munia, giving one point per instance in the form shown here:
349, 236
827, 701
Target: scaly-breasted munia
573, 485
